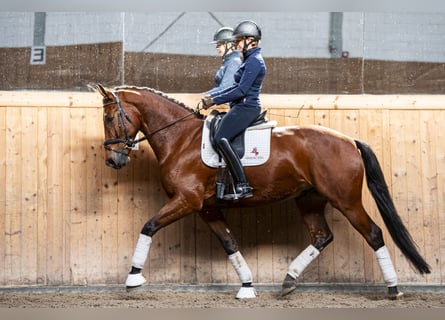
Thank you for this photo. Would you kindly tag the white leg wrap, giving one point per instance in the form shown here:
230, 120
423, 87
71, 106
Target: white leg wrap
301, 262
241, 267
386, 266
141, 251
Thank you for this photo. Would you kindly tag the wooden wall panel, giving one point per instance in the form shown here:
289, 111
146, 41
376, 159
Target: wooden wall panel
41, 191
29, 153
93, 220
429, 127
3, 215
67, 219
13, 196
54, 236
439, 151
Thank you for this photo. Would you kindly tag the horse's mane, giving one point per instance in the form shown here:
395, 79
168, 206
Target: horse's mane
160, 93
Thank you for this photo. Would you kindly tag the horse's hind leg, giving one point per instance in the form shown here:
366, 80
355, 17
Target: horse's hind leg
217, 223
361, 221
311, 206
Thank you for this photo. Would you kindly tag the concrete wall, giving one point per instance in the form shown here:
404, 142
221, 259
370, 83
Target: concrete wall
396, 53
382, 36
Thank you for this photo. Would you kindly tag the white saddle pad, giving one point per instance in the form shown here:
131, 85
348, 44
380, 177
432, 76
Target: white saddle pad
257, 146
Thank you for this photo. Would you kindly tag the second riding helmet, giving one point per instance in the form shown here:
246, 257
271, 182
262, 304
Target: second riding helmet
223, 34
247, 29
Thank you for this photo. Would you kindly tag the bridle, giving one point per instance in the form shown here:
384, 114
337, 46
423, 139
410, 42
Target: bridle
121, 116
126, 140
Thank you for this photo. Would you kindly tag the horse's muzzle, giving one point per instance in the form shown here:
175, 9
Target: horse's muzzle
117, 162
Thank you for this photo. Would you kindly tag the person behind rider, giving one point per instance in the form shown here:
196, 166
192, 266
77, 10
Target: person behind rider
243, 96
231, 59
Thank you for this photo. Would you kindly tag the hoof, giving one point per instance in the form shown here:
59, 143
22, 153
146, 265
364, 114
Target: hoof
394, 293
134, 281
289, 285
246, 293
397, 296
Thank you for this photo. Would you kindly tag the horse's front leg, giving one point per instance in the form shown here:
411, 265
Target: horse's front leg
218, 224
175, 209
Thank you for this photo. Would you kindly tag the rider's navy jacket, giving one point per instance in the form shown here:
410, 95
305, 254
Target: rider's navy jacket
224, 75
248, 81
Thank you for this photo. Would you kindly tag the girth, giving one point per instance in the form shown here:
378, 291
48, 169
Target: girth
237, 142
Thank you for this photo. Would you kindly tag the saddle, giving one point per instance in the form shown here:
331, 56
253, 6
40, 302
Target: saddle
214, 120
252, 145
255, 139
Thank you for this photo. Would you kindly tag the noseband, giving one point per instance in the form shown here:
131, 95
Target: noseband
121, 116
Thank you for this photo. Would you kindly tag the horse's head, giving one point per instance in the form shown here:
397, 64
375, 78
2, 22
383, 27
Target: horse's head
121, 124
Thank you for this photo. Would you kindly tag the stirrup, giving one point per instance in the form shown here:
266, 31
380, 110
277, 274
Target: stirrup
241, 190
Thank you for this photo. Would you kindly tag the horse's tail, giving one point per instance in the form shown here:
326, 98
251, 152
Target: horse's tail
379, 190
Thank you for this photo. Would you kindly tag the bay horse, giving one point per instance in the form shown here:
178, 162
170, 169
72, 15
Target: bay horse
312, 164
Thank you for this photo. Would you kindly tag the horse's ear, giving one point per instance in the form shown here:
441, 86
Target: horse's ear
104, 92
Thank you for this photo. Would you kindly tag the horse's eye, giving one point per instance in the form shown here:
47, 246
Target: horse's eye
109, 119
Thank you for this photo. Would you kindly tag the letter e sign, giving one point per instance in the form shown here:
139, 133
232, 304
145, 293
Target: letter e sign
38, 55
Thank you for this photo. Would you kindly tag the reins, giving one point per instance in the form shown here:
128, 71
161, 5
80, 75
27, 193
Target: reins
172, 123
287, 116
128, 143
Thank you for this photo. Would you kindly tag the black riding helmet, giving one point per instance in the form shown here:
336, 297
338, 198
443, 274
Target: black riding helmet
247, 29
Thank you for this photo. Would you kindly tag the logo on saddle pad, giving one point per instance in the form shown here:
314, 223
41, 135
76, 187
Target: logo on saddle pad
256, 145
255, 152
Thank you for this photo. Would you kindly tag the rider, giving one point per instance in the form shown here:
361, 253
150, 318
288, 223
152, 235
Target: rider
245, 106
231, 59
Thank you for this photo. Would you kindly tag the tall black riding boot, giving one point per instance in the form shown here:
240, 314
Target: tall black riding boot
242, 187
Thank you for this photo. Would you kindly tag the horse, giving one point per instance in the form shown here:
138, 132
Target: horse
312, 164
